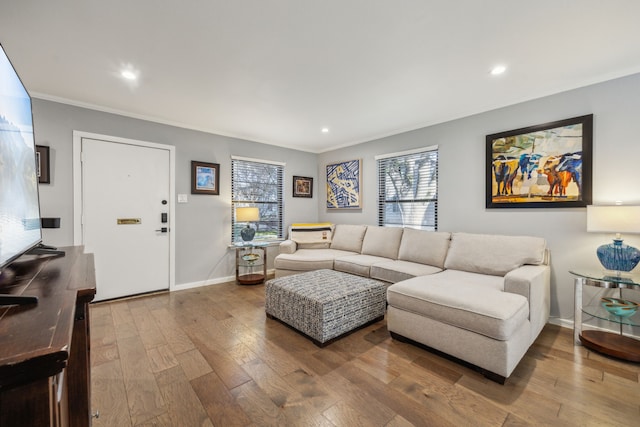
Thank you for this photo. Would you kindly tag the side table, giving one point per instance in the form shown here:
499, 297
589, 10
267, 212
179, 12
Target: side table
609, 343
251, 262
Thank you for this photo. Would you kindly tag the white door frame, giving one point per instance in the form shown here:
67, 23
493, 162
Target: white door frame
78, 202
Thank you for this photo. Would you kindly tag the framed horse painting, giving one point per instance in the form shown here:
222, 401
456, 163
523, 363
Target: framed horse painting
542, 166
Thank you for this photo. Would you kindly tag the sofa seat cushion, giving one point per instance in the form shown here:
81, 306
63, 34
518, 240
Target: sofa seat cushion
470, 301
308, 259
396, 271
357, 264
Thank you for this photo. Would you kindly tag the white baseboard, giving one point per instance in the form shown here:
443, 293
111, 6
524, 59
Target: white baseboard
209, 282
191, 285
568, 323
565, 323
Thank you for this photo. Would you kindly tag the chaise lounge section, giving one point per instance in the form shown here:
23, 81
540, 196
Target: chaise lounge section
486, 308
479, 298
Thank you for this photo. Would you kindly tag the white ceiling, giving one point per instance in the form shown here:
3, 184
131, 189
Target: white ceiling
277, 71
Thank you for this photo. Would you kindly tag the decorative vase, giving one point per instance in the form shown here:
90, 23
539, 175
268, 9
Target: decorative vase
247, 233
617, 256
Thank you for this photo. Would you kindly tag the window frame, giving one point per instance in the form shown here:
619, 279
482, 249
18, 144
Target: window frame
382, 161
238, 200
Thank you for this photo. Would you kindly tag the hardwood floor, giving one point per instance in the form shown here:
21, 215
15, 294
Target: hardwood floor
209, 357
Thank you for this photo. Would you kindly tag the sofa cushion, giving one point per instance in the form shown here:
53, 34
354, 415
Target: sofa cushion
382, 241
493, 254
348, 237
470, 301
357, 264
308, 259
311, 235
424, 247
395, 271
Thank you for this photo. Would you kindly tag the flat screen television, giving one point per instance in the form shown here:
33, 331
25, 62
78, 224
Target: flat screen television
20, 227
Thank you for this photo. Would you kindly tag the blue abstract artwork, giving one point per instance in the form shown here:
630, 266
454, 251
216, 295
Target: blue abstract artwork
343, 185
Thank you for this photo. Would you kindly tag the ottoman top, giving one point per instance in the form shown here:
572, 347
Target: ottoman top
326, 285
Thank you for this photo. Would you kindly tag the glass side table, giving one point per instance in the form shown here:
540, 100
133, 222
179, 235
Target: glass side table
612, 344
251, 262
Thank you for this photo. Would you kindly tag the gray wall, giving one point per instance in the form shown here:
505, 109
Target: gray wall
616, 108
203, 225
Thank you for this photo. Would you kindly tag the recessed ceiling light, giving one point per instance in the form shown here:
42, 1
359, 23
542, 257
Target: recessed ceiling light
129, 75
498, 69
325, 130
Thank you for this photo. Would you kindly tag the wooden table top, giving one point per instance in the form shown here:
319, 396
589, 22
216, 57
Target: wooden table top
35, 339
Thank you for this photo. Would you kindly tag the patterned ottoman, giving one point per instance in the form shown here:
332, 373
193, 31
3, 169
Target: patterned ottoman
325, 304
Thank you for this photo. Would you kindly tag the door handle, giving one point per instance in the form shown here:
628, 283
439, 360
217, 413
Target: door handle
163, 230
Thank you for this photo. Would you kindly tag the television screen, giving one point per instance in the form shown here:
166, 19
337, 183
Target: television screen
20, 228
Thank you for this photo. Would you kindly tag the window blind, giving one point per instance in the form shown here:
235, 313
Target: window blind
258, 184
408, 189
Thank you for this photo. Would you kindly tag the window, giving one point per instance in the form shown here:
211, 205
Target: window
408, 189
257, 183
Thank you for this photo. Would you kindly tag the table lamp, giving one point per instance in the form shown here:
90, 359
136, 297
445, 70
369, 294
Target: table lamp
247, 215
615, 256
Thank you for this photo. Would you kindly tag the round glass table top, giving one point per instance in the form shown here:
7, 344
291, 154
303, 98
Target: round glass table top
611, 279
253, 244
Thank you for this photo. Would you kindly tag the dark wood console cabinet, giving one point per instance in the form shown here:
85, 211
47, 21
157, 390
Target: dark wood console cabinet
45, 377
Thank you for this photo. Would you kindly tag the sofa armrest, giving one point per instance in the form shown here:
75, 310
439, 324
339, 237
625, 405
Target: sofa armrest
288, 247
532, 282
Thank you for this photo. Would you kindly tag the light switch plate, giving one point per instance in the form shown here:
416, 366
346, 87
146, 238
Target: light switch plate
182, 198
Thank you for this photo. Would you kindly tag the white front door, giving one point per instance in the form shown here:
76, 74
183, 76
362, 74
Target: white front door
125, 215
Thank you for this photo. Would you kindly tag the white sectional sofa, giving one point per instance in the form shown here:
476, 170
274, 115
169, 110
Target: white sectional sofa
482, 299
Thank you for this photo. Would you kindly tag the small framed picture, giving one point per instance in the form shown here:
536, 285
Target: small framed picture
205, 178
42, 164
302, 186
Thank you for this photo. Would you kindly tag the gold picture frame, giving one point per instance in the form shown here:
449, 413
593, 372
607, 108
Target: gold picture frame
302, 186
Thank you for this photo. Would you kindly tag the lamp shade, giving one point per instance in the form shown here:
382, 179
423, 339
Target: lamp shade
613, 219
615, 256
247, 214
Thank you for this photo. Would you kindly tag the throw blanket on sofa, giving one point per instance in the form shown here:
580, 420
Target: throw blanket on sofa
311, 233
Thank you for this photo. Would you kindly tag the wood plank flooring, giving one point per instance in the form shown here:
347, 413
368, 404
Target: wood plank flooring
209, 357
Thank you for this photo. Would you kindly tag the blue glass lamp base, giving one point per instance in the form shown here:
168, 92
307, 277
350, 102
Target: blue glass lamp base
617, 256
247, 233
